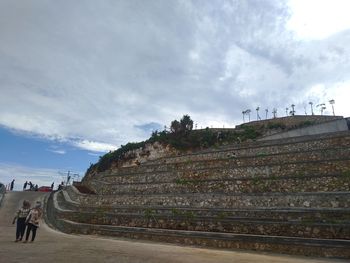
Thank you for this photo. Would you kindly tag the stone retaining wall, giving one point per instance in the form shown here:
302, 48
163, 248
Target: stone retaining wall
252, 196
216, 173
299, 183
258, 148
215, 200
262, 159
307, 229
291, 245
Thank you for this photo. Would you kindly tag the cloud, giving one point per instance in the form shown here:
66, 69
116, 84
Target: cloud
40, 176
110, 69
95, 146
58, 151
149, 127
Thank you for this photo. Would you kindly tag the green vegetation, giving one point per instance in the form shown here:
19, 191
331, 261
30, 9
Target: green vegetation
261, 154
221, 215
181, 137
149, 213
306, 123
346, 174
176, 212
276, 125
189, 215
181, 181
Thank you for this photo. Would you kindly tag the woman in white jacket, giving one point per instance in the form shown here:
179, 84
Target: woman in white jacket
32, 220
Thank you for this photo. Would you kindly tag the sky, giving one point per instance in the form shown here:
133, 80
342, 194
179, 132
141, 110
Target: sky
80, 78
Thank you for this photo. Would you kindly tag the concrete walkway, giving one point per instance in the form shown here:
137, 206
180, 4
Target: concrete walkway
52, 246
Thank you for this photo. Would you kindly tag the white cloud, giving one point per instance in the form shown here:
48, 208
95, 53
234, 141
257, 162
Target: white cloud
39, 176
58, 151
95, 146
319, 19
111, 66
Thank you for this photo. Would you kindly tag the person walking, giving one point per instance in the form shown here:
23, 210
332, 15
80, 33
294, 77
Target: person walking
25, 185
12, 184
21, 216
32, 220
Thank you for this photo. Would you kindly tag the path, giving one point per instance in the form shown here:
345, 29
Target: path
52, 246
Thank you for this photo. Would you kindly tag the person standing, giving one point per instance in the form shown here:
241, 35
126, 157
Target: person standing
21, 216
32, 220
12, 184
52, 185
25, 185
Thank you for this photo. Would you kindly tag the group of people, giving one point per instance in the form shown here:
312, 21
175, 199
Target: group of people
27, 218
11, 185
32, 187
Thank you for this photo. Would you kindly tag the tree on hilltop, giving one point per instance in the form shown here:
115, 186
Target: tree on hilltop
175, 126
184, 125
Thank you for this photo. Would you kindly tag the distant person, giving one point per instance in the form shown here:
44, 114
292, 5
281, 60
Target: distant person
61, 186
32, 221
52, 185
25, 185
12, 185
36, 188
21, 216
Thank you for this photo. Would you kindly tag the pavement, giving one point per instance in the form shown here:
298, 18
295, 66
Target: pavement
53, 246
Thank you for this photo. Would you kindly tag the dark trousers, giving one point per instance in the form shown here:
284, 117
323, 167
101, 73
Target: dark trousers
21, 227
32, 228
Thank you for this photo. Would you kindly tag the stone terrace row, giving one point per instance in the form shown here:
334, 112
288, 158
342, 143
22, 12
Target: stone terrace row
304, 168
273, 147
293, 157
264, 213
188, 220
218, 232
316, 142
217, 200
316, 183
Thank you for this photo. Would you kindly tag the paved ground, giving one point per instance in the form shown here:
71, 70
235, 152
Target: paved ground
52, 246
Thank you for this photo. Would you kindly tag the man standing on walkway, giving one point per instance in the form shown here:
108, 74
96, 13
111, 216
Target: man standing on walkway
25, 185
12, 184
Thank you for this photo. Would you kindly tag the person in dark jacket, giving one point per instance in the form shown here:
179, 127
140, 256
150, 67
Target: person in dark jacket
25, 185
21, 216
12, 184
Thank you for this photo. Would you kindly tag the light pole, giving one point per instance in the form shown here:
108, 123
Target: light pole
287, 111
322, 107
292, 111
332, 103
257, 113
248, 112
274, 112
312, 110
266, 111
